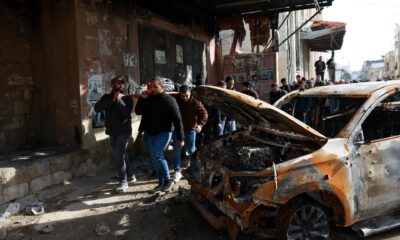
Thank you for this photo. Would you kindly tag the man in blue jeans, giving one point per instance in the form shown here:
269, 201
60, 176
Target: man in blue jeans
194, 117
160, 115
118, 109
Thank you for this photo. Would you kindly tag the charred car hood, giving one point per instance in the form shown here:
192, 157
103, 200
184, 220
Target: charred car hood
249, 111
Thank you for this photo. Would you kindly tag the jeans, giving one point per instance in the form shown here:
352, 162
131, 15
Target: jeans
156, 144
119, 144
190, 140
230, 128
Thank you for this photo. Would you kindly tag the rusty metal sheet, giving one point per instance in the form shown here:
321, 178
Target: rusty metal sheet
250, 111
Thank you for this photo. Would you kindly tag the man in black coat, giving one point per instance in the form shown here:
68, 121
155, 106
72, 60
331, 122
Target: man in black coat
160, 116
275, 93
118, 109
320, 67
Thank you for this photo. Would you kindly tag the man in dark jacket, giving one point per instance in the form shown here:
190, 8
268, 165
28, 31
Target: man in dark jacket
118, 109
248, 90
194, 117
320, 67
160, 115
285, 86
275, 93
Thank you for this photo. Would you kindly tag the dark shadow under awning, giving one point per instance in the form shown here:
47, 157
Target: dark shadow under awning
325, 36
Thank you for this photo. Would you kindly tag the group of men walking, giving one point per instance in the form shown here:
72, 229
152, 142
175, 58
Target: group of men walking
164, 117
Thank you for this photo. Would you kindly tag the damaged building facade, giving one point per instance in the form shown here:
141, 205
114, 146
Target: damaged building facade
57, 58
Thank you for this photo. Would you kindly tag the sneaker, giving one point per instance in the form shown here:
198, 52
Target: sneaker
132, 179
178, 176
122, 187
167, 187
157, 189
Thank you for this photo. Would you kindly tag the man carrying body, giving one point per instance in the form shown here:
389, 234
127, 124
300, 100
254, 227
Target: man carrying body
160, 114
194, 117
118, 109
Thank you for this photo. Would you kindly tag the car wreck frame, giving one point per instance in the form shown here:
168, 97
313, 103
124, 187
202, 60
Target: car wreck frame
349, 180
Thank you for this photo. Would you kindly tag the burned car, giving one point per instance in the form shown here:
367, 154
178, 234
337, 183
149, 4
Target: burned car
279, 176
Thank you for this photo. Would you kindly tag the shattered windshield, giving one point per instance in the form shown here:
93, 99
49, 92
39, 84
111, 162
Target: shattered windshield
328, 115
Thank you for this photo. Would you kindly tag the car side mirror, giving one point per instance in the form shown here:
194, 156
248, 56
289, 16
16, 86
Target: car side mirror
359, 138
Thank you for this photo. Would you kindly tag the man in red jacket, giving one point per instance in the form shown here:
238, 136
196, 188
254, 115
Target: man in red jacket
194, 117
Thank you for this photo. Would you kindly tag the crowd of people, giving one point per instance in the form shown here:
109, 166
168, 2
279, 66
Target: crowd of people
179, 118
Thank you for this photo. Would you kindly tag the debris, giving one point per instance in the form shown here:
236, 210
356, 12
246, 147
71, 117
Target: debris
16, 236
12, 209
35, 208
167, 211
183, 195
3, 233
47, 229
102, 229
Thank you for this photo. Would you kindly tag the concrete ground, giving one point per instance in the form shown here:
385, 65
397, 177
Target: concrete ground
75, 209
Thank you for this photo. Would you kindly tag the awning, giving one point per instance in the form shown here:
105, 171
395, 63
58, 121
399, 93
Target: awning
325, 36
237, 7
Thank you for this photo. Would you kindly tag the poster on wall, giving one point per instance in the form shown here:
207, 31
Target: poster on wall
266, 74
179, 54
96, 90
160, 57
105, 42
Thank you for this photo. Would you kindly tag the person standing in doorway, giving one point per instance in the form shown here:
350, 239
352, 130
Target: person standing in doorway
194, 117
320, 68
160, 113
118, 109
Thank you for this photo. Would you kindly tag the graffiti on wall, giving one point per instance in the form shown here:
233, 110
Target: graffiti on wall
105, 42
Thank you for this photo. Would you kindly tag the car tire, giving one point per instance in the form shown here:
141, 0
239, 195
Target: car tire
304, 220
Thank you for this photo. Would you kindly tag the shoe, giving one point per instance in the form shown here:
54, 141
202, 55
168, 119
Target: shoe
178, 176
132, 179
167, 187
157, 189
122, 187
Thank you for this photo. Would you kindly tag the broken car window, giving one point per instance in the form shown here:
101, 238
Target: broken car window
383, 120
328, 115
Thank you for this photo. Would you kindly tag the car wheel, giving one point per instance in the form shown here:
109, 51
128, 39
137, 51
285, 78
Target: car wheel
308, 221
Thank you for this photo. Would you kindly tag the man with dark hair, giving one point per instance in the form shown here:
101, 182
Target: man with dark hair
199, 80
194, 117
302, 105
160, 114
285, 86
118, 109
248, 90
275, 93
230, 124
320, 68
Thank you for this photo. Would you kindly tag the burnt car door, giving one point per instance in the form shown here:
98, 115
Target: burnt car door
376, 166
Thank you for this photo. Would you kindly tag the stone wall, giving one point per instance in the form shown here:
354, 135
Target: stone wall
15, 74
24, 177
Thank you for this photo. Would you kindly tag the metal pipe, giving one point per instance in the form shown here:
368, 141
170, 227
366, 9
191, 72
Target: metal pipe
284, 20
302, 25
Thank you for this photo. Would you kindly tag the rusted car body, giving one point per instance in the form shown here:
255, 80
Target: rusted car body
279, 176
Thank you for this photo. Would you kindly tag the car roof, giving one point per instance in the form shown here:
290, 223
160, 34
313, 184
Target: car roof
363, 89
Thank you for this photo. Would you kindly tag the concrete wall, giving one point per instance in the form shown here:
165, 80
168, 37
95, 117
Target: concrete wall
15, 73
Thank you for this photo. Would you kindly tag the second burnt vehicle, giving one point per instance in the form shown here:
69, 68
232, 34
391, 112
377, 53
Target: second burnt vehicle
277, 176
